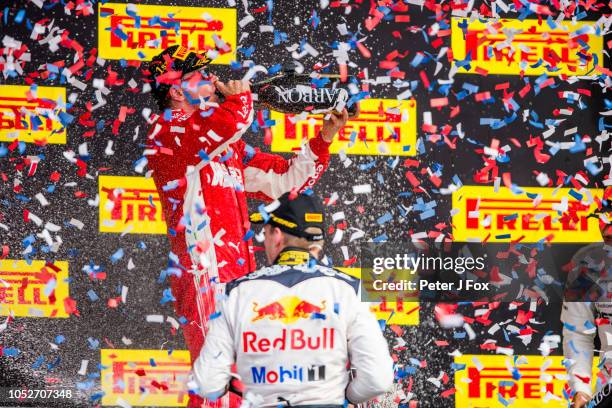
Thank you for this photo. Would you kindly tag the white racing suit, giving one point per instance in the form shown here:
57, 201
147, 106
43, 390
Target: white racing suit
292, 329
593, 314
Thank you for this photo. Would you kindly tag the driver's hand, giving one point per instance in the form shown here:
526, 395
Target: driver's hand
233, 87
580, 400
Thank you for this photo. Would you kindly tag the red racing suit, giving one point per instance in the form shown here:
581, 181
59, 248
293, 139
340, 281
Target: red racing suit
204, 174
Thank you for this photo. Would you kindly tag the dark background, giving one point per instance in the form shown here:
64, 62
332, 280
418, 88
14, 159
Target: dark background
391, 190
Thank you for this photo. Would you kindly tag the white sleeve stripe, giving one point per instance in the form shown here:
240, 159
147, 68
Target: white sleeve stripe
273, 184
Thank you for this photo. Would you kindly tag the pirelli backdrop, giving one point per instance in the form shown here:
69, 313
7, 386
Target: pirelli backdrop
473, 129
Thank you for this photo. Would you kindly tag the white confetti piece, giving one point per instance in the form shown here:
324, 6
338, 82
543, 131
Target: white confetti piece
41, 199
155, 318
83, 369
362, 189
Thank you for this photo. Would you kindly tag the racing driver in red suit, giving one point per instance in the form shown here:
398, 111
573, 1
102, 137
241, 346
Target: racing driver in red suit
204, 173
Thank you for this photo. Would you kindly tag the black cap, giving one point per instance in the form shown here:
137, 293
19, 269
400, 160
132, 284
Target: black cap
175, 58
294, 216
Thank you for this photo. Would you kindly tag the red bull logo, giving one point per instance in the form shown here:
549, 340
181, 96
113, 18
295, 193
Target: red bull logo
288, 309
290, 339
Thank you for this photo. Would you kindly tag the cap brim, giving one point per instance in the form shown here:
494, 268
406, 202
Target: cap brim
256, 218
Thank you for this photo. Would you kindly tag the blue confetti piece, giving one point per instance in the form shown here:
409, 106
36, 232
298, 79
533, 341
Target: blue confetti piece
206, 113
459, 335
92, 295
214, 315
249, 153
381, 238
117, 255
228, 155
427, 214
59, 339
511, 217
55, 363
384, 218
93, 343
249, 234
39, 362
65, 118
575, 194
50, 287
203, 155
11, 351
119, 33
20, 15
167, 296
97, 396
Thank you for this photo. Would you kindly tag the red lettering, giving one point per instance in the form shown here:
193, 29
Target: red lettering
143, 37
547, 221
471, 205
316, 346
146, 211
246, 341
272, 376
279, 343
6, 295
528, 224
297, 335
532, 390
508, 391
130, 213
36, 297
264, 345
502, 222
490, 388
21, 296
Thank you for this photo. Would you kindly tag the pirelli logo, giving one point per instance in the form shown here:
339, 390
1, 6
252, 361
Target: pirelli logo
140, 32
33, 290
130, 205
487, 381
401, 313
145, 377
534, 47
32, 117
384, 127
480, 214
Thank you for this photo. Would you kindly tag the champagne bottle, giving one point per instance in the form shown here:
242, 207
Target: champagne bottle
294, 93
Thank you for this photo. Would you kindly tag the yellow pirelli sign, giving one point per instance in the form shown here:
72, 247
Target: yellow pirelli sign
481, 214
401, 313
496, 381
510, 46
130, 205
140, 32
384, 127
145, 377
33, 290
32, 114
